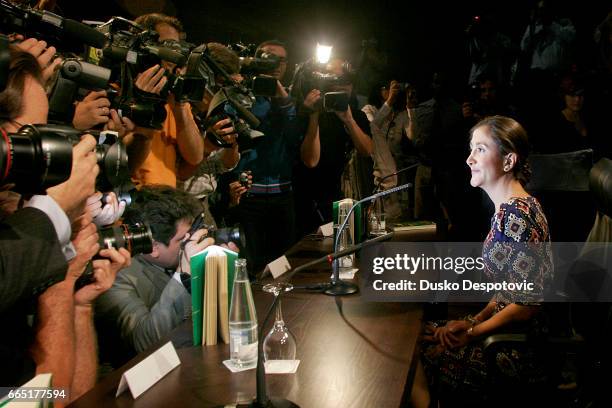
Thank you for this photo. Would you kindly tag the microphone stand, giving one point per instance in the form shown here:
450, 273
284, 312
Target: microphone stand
337, 286
262, 400
400, 171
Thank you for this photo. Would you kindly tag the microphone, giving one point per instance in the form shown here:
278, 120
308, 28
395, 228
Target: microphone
377, 187
337, 286
262, 400
83, 33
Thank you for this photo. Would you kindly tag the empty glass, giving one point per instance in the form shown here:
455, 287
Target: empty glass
279, 344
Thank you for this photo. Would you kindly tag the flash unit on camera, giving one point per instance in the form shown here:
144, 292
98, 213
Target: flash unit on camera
323, 53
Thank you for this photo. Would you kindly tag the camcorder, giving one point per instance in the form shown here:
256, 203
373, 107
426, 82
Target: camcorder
310, 75
136, 238
37, 157
252, 68
220, 235
230, 103
65, 34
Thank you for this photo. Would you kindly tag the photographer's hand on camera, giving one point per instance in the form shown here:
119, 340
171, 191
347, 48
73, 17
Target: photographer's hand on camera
120, 124
394, 90
85, 243
236, 190
152, 80
193, 245
312, 101
467, 110
72, 194
106, 213
43, 54
93, 110
105, 271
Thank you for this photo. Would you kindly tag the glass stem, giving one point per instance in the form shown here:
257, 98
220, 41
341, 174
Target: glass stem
279, 313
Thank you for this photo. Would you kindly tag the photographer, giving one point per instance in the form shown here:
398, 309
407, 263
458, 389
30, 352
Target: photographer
179, 141
267, 211
390, 136
43, 225
329, 141
151, 297
203, 178
32, 258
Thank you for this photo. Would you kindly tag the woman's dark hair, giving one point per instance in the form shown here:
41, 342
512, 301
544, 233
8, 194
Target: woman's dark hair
510, 137
23, 64
162, 208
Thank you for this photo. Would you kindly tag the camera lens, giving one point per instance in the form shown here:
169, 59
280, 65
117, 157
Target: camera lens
137, 238
113, 162
34, 161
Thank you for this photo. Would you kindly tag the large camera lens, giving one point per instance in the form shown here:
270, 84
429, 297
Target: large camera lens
225, 235
112, 159
34, 160
137, 238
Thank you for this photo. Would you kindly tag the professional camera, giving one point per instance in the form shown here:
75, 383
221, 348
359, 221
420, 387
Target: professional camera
136, 238
230, 103
220, 235
34, 159
37, 157
252, 66
73, 75
62, 33
311, 75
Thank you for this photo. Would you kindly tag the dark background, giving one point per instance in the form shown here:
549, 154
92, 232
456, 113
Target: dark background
418, 36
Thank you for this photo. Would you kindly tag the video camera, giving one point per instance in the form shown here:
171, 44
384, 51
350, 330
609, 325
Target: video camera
251, 68
311, 75
63, 33
37, 157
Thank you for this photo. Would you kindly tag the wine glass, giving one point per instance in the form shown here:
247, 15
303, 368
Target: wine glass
279, 344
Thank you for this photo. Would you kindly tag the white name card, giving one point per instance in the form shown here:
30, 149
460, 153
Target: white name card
327, 230
149, 371
278, 267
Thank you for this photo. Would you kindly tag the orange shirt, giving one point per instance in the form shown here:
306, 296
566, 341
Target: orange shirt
160, 166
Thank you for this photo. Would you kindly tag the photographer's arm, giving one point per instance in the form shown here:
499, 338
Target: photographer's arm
363, 142
188, 137
310, 151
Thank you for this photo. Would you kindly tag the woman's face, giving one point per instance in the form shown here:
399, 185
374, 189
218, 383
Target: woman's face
574, 102
485, 160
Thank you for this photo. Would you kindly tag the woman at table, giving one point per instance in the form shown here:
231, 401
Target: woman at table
517, 248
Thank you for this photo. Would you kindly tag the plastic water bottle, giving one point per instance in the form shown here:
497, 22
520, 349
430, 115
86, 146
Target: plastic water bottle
242, 320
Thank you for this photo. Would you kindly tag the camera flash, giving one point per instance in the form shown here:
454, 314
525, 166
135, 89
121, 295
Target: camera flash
323, 53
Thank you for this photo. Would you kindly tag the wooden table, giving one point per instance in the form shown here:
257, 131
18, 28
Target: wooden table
353, 354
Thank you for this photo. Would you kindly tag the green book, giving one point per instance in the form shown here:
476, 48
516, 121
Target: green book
211, 293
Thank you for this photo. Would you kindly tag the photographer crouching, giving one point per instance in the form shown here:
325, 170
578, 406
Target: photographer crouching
335, 126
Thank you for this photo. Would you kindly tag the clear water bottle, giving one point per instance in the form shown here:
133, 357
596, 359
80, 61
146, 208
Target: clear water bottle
242, 320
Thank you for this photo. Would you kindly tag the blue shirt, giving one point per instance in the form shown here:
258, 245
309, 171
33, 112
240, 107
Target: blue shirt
273, 156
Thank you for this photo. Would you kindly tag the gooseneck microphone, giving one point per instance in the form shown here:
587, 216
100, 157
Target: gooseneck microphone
338, 286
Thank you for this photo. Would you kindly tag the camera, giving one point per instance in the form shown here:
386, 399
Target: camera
335, 101
136, 238
34, 159
63, 33
37, 157
220, 235
74, 74
231, 103
243, 178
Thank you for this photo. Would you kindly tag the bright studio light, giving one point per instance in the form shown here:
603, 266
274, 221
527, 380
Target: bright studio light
323, 53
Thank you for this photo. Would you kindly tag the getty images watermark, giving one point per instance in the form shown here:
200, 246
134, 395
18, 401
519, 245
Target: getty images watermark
460, 272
